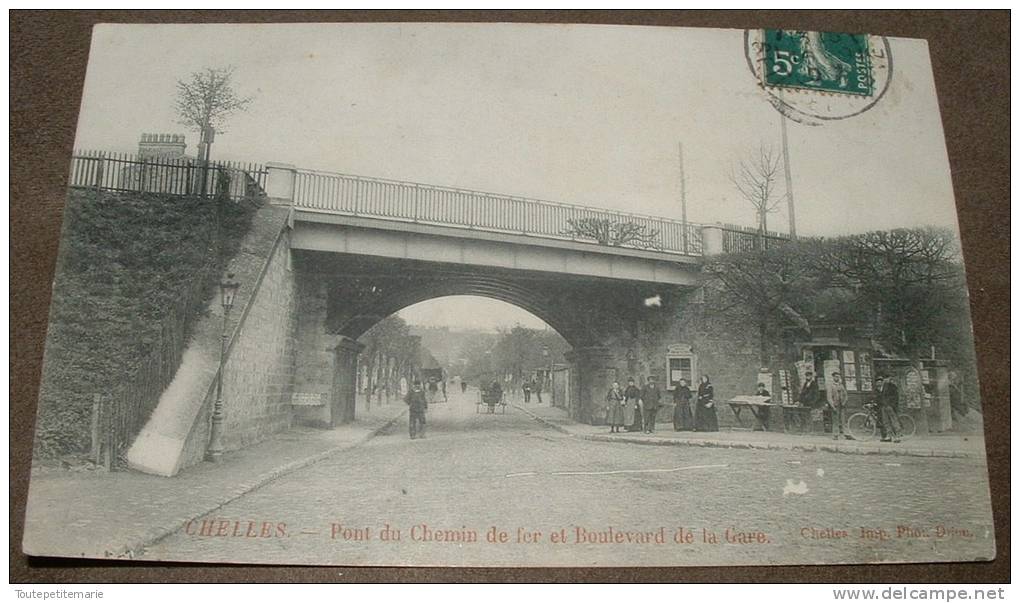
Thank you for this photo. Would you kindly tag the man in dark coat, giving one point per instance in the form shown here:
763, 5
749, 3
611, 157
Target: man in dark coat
650, 397
888, 406
417, 404
809, 395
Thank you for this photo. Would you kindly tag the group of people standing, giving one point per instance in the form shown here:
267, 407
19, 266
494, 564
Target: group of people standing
635, 409
887, 399
534, 386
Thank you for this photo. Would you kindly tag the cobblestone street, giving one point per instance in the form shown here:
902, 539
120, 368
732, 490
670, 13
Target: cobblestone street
536, 491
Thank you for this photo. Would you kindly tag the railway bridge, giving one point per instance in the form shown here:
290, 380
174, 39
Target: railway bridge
352, 250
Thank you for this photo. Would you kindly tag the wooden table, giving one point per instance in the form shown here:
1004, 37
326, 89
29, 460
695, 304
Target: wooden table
758, 405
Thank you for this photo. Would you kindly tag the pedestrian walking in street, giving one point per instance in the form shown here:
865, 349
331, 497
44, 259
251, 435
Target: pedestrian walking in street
495, 395
837, 397
536, 388
683, 419
416, 403
631, 410
651, 395
888, 399
705, 418
527, 391
615, 403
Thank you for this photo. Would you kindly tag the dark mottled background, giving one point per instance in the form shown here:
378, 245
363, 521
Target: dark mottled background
970, 53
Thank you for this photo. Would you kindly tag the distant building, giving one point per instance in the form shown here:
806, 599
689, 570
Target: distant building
162, 167
162, 146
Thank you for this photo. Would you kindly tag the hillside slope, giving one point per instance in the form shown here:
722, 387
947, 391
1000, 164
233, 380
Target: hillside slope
125, 259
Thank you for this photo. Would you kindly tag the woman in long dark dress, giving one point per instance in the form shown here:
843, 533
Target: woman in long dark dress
631, 412
705, 418
683, 420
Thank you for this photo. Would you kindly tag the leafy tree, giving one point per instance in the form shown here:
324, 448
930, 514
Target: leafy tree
517, 351
391, 352
208, 98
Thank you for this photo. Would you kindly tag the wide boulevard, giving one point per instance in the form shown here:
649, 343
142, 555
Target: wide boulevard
503, 489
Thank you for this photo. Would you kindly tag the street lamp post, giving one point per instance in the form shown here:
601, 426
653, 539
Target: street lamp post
228, 289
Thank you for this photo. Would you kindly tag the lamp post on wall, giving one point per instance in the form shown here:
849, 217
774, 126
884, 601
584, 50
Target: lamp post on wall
228, 290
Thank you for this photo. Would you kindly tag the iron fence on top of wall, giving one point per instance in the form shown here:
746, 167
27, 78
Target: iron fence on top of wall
746, 238
125, 172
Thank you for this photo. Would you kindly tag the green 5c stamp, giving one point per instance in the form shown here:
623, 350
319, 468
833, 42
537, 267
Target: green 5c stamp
833, 62
817, 77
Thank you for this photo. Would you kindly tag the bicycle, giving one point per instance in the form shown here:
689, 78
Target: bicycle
864, 425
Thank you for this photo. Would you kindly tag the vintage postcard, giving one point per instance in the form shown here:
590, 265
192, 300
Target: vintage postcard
509, 295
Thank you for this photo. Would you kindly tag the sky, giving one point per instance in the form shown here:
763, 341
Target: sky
470, 312
588, 115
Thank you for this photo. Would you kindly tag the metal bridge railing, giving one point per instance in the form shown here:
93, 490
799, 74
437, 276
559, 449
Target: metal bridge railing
438, 205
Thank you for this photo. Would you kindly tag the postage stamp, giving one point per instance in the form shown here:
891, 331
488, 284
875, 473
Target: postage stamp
817, 77
813, 60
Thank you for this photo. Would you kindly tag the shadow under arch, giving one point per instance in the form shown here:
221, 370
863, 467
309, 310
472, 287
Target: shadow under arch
360, 315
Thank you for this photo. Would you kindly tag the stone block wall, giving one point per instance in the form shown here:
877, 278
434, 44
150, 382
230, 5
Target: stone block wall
725, 346
315, 355
259, 369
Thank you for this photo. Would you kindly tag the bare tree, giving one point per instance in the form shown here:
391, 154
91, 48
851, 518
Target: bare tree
611, 232
907, 284
908, 277
772, 286
755, 178
208, 98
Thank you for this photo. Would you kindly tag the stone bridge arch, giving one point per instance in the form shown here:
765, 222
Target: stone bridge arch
340, 297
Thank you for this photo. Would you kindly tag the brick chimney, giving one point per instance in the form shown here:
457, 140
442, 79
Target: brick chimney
163, 146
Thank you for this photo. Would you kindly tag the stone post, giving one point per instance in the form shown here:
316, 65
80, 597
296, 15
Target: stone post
591, 374
712, 240
280, 182
345, 381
